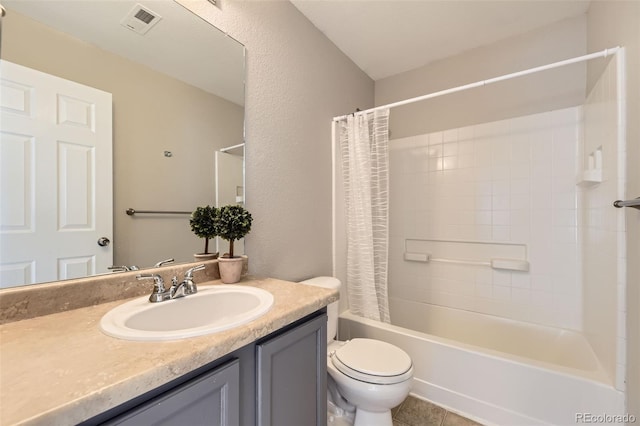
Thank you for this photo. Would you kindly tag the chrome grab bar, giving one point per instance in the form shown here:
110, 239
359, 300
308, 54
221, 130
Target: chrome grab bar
131, 212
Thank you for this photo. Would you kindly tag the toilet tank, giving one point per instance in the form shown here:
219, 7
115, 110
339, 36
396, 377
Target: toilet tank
332, 308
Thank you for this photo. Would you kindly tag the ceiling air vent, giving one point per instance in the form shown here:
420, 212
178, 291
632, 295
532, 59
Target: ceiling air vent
140, 19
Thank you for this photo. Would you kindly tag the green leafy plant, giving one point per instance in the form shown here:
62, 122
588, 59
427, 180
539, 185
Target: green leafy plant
233, 223
204, 224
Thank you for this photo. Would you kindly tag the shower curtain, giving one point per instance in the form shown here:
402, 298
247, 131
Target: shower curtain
364, 140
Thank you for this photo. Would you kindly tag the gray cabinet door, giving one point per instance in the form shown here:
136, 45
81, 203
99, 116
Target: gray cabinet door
292, 376
210, 399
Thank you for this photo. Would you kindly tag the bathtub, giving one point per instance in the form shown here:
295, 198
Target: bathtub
495, 370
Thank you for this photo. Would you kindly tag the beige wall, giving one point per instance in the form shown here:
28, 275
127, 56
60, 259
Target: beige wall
526, 95
151, 113
612, 23
297, 80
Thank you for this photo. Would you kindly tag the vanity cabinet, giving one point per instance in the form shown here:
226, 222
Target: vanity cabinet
279, 380
210, 399
291, 376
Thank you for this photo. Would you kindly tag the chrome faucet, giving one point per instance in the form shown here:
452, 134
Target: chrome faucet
177, 290
186, 286
182, 289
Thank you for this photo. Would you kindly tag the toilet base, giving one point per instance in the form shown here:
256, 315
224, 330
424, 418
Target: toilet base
370, 418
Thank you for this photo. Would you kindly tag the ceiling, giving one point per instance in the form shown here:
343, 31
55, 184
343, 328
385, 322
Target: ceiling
168, 47
387, 37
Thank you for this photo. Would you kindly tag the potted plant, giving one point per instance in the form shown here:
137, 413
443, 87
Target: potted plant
233, 223
203, 224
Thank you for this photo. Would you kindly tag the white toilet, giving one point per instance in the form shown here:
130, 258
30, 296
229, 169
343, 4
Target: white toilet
366, 374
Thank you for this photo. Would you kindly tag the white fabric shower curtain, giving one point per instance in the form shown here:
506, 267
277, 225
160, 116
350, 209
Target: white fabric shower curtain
364, 145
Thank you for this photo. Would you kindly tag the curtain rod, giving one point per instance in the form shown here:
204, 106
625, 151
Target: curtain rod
602, 54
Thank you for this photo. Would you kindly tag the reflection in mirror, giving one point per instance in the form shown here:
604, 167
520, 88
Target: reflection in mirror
230, 186
177, 111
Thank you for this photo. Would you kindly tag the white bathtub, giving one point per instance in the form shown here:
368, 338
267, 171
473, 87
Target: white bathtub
495, 370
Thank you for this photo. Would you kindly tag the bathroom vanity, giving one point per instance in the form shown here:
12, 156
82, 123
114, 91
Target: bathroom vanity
61, 369
277, 380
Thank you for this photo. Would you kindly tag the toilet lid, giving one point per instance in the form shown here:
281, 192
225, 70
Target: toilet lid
373, 361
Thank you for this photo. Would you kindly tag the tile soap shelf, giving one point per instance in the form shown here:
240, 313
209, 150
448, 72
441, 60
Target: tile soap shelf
593, 173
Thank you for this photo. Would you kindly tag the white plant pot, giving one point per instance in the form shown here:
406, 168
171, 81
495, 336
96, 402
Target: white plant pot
201, 257
230, 269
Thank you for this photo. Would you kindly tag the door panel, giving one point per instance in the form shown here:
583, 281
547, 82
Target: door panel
56, 177
292, 376
212, 399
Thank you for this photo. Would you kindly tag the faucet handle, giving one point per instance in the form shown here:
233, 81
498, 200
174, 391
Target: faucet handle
189, 273
118, 268
190, 286
123, 268
158, 289
162, 262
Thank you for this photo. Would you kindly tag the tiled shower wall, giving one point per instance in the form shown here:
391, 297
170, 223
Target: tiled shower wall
510, 181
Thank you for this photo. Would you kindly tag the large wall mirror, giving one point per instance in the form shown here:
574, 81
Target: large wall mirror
176, 87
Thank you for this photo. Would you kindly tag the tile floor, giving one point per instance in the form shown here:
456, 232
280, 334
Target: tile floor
417, 412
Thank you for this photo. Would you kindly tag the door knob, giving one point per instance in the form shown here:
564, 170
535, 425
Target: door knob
103, 241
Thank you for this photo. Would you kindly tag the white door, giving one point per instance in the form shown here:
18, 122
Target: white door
55, 177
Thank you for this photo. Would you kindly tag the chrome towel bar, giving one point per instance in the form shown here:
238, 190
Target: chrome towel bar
635, 203
131, 212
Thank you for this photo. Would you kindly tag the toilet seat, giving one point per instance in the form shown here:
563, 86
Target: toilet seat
373, 361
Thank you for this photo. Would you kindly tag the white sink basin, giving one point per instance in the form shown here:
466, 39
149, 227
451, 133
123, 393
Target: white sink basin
212, 309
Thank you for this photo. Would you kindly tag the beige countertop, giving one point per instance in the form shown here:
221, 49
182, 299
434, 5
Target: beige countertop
61, 369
